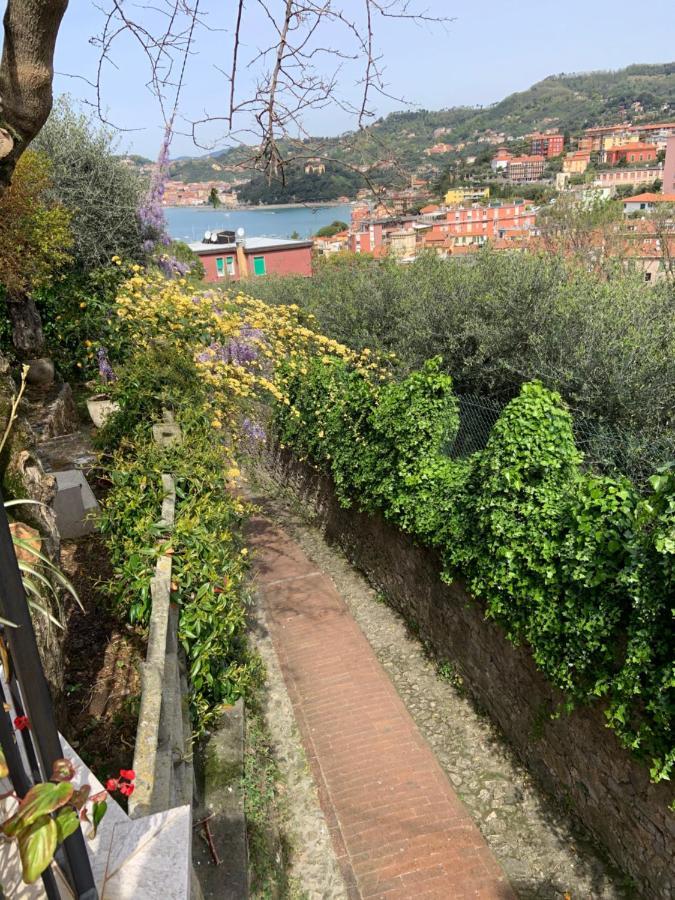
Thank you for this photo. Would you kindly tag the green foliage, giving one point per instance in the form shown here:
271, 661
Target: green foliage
35, 230
334, 227
78, 317
209, 567
146, 384
296, 186
46, 816
569, 562
90, 180
605, 343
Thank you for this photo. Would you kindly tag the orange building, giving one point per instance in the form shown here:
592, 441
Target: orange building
632, 153
577, 162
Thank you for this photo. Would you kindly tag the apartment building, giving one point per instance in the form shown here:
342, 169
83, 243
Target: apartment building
546, 144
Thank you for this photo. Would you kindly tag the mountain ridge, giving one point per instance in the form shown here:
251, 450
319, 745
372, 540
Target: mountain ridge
566, 101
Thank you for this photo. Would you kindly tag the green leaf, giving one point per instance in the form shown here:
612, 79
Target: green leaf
37, 845
99, 810
40, 800
66, 823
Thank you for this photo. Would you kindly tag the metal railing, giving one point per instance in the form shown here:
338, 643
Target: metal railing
29, 695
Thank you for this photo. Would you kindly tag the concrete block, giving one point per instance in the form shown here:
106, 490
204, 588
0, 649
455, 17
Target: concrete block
74, 505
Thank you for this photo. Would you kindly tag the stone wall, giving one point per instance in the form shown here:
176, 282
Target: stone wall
575, 757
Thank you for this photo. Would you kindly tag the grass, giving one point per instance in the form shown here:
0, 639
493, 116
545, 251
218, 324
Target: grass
268, 845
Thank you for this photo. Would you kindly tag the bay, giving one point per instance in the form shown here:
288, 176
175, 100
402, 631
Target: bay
188, 223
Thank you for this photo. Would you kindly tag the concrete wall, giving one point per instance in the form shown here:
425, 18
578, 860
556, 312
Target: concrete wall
575, 757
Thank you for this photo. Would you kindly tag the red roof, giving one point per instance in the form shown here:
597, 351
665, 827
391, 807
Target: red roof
650, 198
626, 148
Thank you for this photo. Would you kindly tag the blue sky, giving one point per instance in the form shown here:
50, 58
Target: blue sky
491, 48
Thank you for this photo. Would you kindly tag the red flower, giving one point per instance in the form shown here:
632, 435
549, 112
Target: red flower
129, 774
21, 723
126, 789
112, 784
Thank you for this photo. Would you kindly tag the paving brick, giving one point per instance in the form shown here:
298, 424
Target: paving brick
398, 828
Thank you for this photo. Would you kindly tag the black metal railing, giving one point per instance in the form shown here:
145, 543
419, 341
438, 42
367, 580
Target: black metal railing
30, 696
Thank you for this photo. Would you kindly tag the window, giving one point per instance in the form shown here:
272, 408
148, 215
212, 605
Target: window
230, 265
258, 265
648, 276
220, 266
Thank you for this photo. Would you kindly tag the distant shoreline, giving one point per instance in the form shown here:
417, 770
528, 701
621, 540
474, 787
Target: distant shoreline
264, 206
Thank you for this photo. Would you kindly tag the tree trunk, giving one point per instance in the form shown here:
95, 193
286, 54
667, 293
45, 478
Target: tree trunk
27, 336
26, 74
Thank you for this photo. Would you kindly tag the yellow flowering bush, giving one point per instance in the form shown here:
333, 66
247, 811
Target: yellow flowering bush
237, 342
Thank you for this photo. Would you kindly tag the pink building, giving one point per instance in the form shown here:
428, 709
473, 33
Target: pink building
226, 258
669, 167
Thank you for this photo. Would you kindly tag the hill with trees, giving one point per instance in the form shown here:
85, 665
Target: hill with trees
395, 144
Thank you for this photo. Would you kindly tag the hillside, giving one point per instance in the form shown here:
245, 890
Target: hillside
641, 93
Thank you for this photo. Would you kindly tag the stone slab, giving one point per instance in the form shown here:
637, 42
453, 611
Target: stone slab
74, 505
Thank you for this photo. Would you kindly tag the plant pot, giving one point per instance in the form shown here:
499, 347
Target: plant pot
100, 407
40, 371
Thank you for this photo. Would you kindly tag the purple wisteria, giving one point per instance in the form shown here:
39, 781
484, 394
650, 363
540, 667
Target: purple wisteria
105, 370
254, 432
151, 213
240, 351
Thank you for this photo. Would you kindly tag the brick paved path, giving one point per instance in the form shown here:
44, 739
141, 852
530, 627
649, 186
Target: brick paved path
398, 828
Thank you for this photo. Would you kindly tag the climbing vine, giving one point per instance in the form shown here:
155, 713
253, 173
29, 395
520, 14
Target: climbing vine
574, 564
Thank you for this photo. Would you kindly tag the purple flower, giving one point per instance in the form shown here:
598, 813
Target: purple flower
151, 213
105, 370
254, 432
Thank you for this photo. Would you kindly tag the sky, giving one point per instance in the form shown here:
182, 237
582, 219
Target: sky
489, 49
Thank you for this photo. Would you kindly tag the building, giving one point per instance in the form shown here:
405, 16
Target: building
646, 203
631, 153
438, 149
334, 244
525, 168
475, 225
614, 178
500, 160
576, 162
227, 256
669, 167
315, 167
546, 144
466, 195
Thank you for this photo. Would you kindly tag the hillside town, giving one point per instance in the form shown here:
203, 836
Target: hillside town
641, 174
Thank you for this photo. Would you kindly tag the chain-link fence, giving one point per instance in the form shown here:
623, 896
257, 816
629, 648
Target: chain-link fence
606, 448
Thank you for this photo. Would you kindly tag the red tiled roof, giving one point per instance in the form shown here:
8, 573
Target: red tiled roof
637, 145
650, 198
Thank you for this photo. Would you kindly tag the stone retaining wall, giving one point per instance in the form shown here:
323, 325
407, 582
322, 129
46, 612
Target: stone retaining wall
575, 757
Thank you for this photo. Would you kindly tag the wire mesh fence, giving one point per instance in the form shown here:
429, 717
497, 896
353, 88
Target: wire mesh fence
606, 449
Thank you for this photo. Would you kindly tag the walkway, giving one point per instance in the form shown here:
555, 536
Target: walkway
398, 828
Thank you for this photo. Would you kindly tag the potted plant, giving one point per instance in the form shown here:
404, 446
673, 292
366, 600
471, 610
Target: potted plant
100, 406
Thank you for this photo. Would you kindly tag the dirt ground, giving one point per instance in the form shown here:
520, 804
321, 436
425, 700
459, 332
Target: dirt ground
103, 658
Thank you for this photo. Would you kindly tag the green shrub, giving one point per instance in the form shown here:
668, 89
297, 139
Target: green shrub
150, 381
574, 564
209, 567
78, 317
